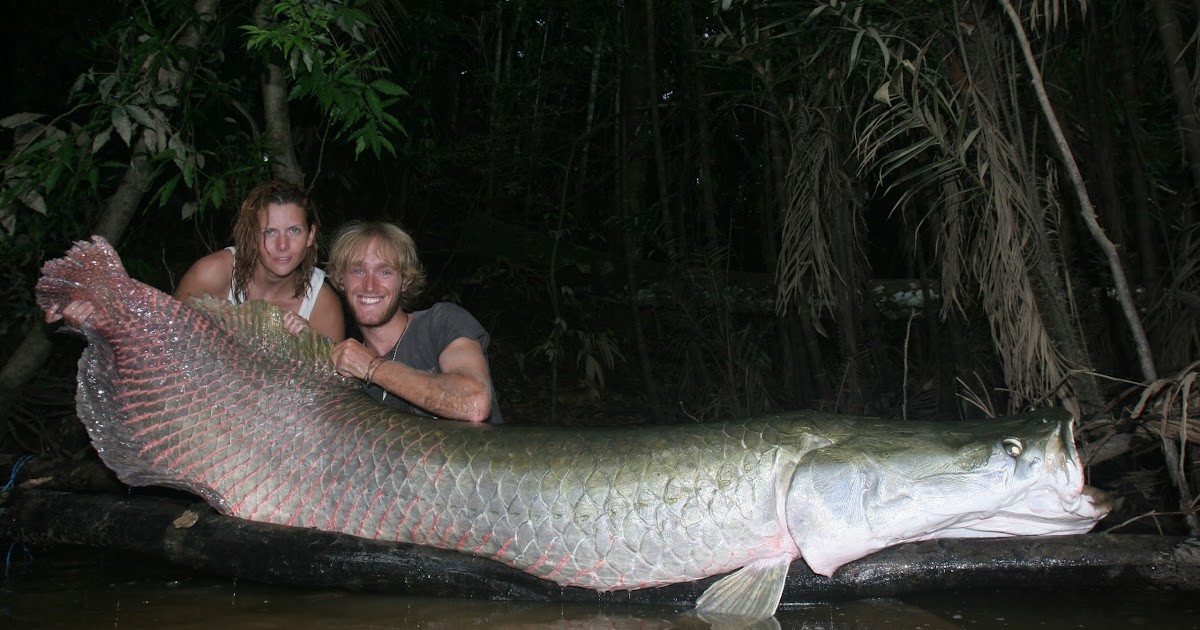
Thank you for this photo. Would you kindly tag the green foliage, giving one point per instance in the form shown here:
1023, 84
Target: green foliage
127, 107
330, 62
595, 352
46, 159
151, 94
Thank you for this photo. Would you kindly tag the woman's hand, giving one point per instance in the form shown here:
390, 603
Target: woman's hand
293, 323
73, 314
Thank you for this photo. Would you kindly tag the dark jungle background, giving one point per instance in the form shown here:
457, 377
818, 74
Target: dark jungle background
666, 210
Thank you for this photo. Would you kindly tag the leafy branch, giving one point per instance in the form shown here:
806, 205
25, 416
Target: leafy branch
330, 62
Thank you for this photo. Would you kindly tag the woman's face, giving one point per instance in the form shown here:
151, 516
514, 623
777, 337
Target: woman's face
285, 238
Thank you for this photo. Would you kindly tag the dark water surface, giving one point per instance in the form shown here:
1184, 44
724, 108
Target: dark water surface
83, 588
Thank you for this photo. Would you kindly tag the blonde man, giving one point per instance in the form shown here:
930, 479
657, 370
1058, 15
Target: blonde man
431, 362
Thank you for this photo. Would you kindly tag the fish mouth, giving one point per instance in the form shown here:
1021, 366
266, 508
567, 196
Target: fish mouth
1098, 502
1068, 513
1073, 499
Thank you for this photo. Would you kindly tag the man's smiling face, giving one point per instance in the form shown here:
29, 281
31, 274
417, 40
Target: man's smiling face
373, 286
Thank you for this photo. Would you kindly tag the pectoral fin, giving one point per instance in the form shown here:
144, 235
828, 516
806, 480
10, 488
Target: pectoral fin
751, 592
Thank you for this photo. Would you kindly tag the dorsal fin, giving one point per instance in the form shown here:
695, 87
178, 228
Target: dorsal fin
259, 326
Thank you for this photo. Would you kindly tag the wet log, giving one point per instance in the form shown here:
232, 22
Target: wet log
190, 534
84, 475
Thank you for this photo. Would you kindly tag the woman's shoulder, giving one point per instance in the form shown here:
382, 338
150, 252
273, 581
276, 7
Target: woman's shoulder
327, 298
327, 317
211, 274
220, 259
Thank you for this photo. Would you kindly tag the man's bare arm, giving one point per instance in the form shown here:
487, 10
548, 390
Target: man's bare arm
461, 391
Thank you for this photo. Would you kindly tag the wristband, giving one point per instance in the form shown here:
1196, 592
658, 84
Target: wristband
371, 367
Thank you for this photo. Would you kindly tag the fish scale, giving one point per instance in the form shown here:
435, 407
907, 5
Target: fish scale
220, 401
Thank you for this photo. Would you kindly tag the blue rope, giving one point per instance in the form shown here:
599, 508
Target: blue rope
12, 479
8, 558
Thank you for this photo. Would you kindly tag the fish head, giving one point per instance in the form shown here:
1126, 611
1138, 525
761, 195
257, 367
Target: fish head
899, 482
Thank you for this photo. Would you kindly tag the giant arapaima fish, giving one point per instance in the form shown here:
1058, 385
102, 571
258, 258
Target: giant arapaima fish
222, 402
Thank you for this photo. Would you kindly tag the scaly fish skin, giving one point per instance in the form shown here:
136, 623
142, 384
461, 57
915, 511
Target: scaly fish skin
220, 401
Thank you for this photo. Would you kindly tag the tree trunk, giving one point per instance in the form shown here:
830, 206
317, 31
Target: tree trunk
1146, 238
653, 100
1097, 60
1169, 32
775, 172
493, 128
581, 180
703, 126
284, 164
632, 168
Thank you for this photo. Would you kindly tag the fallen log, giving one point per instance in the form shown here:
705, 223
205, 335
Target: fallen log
190, 534
85, 475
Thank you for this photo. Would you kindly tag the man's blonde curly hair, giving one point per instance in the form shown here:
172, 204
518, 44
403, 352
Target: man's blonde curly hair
395, 246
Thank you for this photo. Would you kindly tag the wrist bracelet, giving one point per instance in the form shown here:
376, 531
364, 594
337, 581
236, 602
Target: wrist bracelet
371, 367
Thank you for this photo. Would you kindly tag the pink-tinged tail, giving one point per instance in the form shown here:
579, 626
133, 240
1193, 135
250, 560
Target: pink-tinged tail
132, 376
90, 271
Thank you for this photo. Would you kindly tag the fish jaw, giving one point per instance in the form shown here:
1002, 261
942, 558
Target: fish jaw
1021, 478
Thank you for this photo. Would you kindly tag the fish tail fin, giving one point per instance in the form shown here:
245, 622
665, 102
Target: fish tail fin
79, 275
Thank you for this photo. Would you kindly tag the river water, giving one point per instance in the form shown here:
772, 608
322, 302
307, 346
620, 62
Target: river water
68, 587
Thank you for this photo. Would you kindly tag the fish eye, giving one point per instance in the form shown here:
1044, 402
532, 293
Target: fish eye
1012, 446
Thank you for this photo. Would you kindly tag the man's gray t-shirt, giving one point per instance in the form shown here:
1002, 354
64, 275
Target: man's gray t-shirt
427, 335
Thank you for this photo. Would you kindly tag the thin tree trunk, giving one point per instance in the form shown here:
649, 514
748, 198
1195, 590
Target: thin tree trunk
1169, 31
534, 138
284, 164
1147, 241
1086, 209
660, 160
704, 161
1096, 60
581, 183
494, 108
632, 166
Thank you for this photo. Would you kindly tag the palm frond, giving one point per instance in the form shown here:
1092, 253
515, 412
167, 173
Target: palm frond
1050, 13
818, 186
955, 151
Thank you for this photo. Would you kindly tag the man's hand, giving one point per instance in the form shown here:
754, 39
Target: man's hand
351, 358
